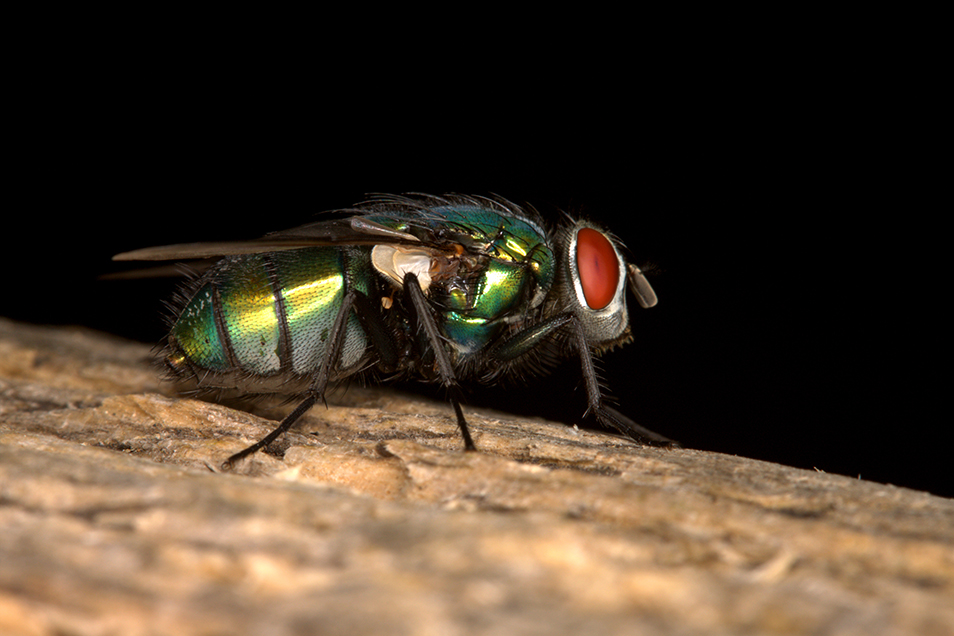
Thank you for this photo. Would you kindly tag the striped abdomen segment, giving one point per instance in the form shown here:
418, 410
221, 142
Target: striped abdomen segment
272, 313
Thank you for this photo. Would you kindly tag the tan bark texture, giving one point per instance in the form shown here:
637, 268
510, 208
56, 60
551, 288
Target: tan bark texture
368, 518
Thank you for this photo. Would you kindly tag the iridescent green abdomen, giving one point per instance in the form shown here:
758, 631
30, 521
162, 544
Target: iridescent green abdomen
266, 314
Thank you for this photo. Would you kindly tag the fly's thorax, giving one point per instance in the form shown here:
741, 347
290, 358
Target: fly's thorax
461, 239
481, 270
594, 283
473, 294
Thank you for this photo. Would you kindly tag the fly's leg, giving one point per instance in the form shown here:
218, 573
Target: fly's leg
523, 341
286, 424
603, 413
373, 326
640, 433
445, 369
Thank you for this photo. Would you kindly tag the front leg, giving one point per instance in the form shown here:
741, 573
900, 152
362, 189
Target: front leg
531, 337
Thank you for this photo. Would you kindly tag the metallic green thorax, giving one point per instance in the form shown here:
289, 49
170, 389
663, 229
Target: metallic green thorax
513, 277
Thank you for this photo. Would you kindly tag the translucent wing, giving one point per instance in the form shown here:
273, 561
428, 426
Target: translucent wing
356, 230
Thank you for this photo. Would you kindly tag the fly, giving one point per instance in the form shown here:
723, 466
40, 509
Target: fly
447, 289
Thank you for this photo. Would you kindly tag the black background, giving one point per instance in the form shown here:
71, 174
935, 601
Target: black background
789, 327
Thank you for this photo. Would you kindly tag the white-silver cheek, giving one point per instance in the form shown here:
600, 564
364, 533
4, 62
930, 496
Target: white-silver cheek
608, 323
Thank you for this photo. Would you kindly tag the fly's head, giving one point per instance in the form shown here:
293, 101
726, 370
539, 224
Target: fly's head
596, 277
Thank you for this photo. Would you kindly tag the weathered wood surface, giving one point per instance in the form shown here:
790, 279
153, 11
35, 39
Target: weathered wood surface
114, 519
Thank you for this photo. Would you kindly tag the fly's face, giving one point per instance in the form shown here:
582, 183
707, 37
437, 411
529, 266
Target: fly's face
596, 276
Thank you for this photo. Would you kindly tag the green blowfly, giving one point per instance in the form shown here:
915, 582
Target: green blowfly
445, 288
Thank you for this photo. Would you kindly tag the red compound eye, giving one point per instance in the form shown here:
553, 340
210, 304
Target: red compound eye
598, 266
